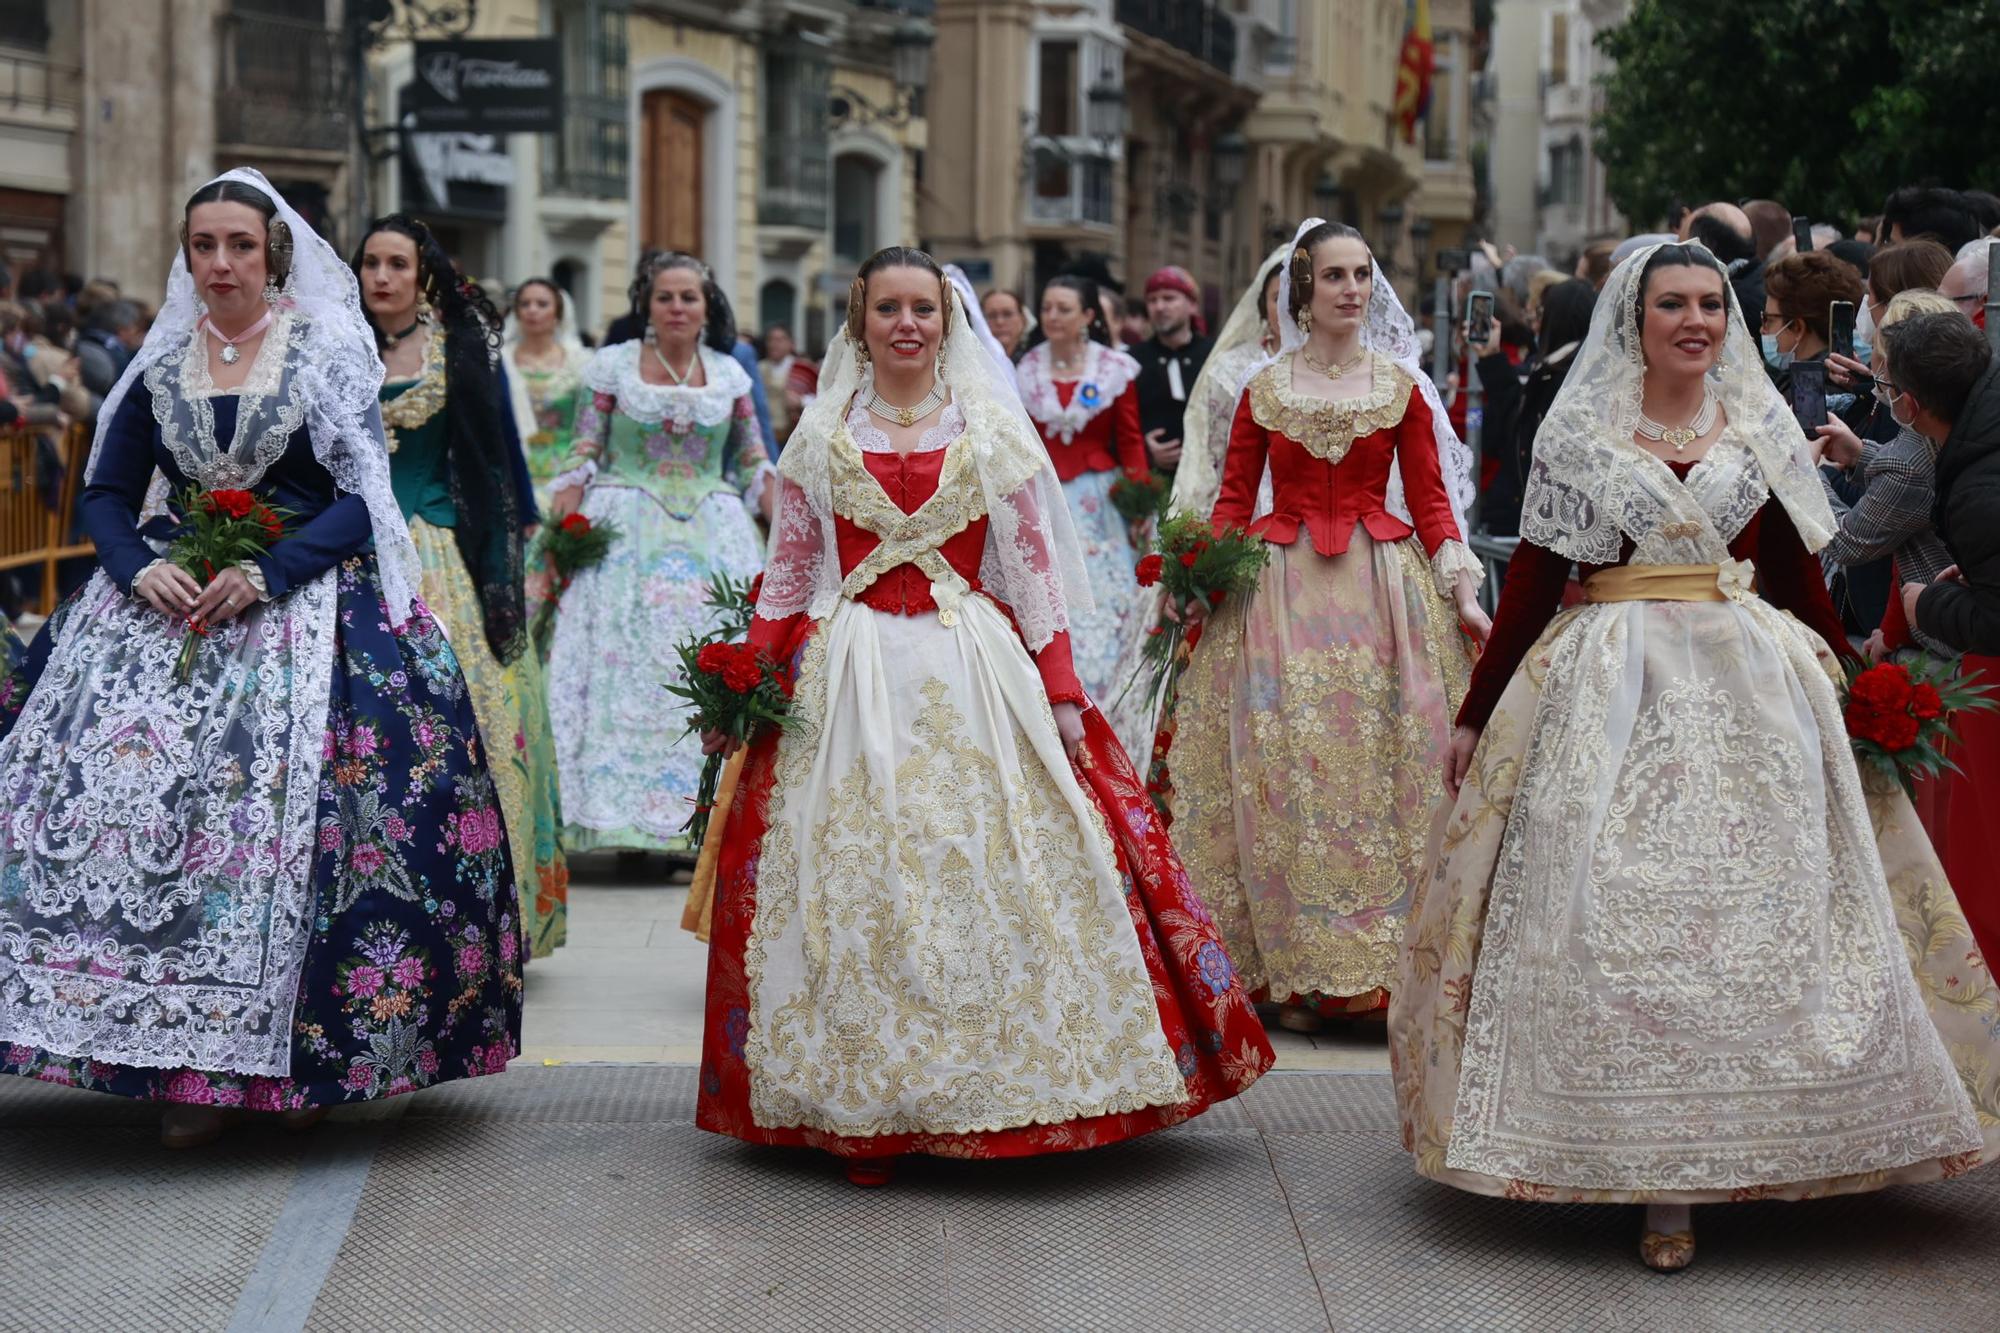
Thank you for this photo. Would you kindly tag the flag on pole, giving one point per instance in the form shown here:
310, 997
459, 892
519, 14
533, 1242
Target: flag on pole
1414, 69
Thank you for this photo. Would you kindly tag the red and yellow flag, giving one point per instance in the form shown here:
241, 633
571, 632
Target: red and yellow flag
1413, 70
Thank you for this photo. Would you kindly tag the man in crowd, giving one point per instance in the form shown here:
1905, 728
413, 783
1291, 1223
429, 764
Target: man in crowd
1770, 224
1169, 361
788, 380
111, 334
1965, 281
1946, 216
1941, 381
1725, 229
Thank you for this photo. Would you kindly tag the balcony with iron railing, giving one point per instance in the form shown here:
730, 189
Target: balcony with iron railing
33, 87
795, 191
1198, 27
283, 84
1073, 189
589, 154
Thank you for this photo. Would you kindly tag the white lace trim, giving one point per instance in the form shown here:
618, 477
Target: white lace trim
1105, 369
615, 370
873, 440
1452, 559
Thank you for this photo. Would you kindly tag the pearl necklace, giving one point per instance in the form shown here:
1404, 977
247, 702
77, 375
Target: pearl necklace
1680, 437
907, 416
230, 356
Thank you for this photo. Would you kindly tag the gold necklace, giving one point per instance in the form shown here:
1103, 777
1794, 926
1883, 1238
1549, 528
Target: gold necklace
1330, 371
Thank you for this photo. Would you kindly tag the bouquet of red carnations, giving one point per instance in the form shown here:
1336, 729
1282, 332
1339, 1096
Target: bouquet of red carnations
219, 529
733, 688
571, 546
1899, 715
1190, 560
1140, 498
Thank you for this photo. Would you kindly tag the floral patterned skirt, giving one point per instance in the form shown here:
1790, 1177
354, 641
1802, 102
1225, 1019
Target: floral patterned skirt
933, 933
412, 972
513, 712
1310, 732
1100, 638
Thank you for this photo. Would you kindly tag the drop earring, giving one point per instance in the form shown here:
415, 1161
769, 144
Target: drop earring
652, 334
424, 311
941, 364
1306, 320
271, 292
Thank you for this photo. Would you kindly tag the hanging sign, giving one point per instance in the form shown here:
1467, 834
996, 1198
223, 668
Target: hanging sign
489, 86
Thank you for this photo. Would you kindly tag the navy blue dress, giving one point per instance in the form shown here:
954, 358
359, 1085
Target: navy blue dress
411, 973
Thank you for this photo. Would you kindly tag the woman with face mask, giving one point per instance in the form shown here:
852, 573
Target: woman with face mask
1674, 947
948, 921
280, 884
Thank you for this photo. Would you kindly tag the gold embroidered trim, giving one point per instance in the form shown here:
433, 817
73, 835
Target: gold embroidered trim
1325, 429
906, 539
422, 400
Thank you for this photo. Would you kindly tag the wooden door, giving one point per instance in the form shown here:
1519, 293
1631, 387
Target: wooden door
673, 166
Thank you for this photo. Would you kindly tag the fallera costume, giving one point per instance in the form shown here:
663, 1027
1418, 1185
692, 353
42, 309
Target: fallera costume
933, 932
1674, 947
506, 679
284, 883
1316, 712
679, 470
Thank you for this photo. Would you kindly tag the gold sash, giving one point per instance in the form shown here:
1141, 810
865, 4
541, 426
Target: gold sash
1655, 583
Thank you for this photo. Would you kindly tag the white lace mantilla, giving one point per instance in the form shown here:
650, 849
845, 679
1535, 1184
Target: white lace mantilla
615, 370
157, 841
1106, 373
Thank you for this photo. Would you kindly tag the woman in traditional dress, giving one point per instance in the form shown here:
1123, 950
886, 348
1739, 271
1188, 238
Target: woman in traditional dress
1664, 955
1081, 395
462, 483
667, 448
948, 920
282, 884
1315, 711
544, 361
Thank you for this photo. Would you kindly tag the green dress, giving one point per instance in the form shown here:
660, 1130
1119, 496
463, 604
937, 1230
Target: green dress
509, 701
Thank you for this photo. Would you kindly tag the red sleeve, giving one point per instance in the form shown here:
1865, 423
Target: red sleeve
1791, 579
1536, 577
776, 639
1130, 441
1242, 469
1059, 672
1423, 479
1895, 625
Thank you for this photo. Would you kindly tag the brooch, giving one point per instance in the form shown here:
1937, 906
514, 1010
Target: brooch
1088, 393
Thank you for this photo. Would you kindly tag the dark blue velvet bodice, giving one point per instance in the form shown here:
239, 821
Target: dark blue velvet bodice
326, 527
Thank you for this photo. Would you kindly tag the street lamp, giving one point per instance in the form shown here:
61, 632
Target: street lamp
1230, 158
1105, 117
910, 61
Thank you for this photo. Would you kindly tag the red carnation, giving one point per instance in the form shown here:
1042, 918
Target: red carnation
1925, 703
1149, 570
1188, 558
576, 525
713, 657
742, 672
235, 504
1898, 731
1885, 687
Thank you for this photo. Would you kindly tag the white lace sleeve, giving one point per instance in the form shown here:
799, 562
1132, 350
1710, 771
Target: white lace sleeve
1023, 564
798, 554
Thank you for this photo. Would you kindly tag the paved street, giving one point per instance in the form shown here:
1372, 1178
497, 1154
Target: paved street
573, 1192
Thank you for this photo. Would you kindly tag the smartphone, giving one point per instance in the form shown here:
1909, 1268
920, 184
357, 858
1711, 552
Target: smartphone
1478, 317
1802, 232
1840, 320
1809, 394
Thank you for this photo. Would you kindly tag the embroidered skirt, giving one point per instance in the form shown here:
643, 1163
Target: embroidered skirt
513, 712
934, 934
1666, 953
411, 954
1310, 734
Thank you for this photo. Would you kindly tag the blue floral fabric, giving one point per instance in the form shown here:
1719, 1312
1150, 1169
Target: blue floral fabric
413, 973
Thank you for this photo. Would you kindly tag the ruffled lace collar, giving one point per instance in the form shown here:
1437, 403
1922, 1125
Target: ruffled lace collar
615, 370
1106, 372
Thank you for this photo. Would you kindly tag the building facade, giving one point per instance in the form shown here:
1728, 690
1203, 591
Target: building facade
112, 113
1548, 185
768, 137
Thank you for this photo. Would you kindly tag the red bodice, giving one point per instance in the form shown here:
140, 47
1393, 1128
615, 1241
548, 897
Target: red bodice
909, 480
1328, 499
1111, 439
1788, 577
